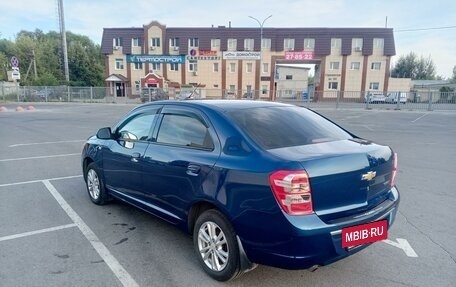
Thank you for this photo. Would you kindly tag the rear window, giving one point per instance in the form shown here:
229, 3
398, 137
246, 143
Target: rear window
278, 127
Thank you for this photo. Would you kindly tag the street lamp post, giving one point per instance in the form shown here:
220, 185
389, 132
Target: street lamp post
261, 49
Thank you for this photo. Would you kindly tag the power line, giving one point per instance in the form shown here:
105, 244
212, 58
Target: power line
425, 29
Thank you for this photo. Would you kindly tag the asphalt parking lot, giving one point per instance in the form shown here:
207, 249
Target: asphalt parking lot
52, 235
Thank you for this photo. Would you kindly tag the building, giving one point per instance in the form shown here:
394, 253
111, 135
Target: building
291, 82
229, 61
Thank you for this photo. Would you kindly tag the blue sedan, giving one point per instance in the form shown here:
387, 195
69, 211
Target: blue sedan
253, 182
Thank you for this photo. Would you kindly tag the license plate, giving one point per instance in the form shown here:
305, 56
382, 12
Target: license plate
364, 233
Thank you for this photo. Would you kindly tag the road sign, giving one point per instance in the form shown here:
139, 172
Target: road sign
14, 62
16, 75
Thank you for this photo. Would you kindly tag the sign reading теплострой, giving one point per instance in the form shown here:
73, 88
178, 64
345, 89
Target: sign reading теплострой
171, 59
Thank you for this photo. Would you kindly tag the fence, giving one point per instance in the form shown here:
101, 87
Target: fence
431, 100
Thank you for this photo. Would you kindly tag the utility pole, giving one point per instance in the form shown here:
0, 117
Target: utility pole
63, 39
34, 64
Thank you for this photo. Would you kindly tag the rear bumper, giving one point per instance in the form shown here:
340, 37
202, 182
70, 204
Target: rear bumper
307, 240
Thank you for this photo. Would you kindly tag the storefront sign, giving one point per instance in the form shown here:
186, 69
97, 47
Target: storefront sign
173, 59
241, 55
195, 58
298, 56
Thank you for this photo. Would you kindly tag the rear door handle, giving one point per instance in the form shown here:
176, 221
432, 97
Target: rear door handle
193, 169
135, 156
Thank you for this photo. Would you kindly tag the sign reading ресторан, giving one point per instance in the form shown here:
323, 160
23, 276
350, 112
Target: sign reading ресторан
171, 59
241, 55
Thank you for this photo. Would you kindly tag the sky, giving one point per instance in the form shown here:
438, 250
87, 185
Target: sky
427, 28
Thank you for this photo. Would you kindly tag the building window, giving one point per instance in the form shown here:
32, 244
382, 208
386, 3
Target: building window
376, 65
117, 42
265, 68
155, 42
156, 66
264, 89
288, 43
193, 42
248, 44
336, 43
309, 43
215, 43
192, 67
333, 85
334, 65
266, 43
119, 64
289, 77
249, 67
378, 43
357, 44
138, 66
354, 65
232, 67
232, 44
174, 42
174, 67
374, 86
135, 42
137, 85
215, 67
232, 88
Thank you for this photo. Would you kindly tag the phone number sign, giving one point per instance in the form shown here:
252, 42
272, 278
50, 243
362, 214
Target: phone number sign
299, 56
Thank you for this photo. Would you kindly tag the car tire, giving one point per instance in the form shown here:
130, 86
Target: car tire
95, 185
216, 245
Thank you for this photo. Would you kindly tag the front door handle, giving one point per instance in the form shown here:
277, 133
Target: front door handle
193, 169
135, 156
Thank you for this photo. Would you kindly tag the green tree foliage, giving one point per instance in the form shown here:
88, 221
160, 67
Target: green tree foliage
85, 61
3, 67
414, 67
453, 78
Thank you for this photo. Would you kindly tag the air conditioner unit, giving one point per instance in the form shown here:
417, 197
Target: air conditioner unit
358, 49
176, 48
195, 73
152, 48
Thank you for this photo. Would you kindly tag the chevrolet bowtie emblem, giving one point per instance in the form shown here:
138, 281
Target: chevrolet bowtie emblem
369, 176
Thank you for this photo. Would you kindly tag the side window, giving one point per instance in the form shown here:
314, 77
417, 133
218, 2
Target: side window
138, 127
184, 130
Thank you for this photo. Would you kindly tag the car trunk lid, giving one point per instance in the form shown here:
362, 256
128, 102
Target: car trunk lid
347, 177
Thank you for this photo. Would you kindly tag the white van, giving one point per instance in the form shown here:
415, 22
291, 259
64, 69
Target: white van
392, 97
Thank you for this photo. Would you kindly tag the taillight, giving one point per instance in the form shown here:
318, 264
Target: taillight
292, 191
393, 174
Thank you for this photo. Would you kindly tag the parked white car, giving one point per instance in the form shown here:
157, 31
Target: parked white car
393, 98
375, 97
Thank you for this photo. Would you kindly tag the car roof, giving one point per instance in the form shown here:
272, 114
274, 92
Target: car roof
221, 105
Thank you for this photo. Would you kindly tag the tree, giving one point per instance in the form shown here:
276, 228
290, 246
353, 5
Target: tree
410, 66
453, 78
85, 58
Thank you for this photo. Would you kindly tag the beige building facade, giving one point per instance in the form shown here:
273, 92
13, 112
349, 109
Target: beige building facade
234, 62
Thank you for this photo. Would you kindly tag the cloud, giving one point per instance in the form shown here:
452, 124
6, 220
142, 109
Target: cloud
89, 17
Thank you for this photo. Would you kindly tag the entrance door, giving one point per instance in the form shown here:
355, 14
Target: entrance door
119, 89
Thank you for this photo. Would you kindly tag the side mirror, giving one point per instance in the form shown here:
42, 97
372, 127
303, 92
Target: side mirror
105, 134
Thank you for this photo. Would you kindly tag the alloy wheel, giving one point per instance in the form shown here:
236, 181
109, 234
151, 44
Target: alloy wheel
213, 246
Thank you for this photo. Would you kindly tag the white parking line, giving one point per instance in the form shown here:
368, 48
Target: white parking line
121, 274
39, 157
40, 180
15, 236
40, 143
419, 118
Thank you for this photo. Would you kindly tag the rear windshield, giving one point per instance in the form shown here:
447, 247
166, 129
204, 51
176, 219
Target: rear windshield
278, 127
